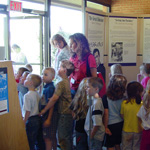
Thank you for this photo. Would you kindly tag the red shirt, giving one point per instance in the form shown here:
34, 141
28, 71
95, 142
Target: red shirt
80, 69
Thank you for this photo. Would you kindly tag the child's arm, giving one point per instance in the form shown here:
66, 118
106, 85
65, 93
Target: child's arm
27, 114
50, 104
48, 120
94, 130
106, 122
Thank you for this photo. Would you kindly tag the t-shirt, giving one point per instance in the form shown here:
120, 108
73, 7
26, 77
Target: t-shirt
95, 115
48, 91
114, 108
64, 92
31, 103
129, 111
80, 71
144, 82
145, 121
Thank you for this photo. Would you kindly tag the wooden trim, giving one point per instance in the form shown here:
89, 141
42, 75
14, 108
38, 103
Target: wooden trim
103, 2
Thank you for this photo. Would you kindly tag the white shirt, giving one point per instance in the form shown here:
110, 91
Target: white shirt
31, 103
145, 121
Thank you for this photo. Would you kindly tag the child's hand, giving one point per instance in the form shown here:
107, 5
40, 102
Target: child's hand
41, 113
47, 123
107, 131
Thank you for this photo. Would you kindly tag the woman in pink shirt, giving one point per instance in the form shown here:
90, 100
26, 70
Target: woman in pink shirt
81, 58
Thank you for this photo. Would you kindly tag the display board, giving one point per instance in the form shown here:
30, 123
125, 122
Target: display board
12, 129
96, 33
146, 40
122, 40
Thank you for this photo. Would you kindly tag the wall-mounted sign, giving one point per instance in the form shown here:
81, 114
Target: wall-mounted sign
15, 6
4, 103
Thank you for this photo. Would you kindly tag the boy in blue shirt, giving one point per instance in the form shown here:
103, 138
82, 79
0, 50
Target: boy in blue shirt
50, 118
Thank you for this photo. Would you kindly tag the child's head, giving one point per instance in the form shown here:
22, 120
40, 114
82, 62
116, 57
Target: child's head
48, 74
66, 68
116, 87
58, 41
33, 80
134, 91
145, 69
146, 100
20, 71
79, 103
94, 85
29, 67
115, 69
23, 77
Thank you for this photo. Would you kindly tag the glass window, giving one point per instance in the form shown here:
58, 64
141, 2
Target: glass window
25, 41
2, 36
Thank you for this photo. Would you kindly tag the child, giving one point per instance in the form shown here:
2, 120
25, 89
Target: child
93, 124
20, 71
112, 103
50, 118
79, 109
145, 73
31, 108
29, 67
62, 94
21, 88
144, 115
115, 69
131, 135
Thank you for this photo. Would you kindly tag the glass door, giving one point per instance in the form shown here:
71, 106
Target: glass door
3, 36
26, 42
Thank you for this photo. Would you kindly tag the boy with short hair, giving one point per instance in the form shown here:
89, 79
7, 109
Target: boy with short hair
50, 118
62, 94
31, 108
95, 130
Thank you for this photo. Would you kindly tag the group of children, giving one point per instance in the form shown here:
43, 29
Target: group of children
109, 121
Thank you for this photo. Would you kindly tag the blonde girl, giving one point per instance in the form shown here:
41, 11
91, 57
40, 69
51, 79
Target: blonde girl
79, 107
144, 115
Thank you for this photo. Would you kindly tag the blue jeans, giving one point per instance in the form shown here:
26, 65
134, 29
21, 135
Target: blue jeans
32, 129
95, 144
65, 124
81, 141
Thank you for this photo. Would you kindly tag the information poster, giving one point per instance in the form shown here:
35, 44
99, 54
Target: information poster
96, 34
146, 41
123, 40
4, 103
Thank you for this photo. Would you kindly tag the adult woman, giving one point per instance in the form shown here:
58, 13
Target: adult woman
82, 59
62, 53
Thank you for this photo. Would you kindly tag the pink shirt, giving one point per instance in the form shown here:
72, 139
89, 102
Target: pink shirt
144, 82
80, 69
